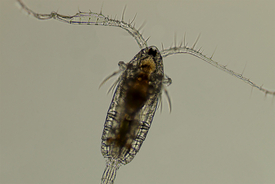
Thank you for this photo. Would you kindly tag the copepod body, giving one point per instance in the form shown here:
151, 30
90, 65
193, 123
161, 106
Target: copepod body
132, 110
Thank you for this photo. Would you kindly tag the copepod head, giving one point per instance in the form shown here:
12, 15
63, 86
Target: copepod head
148, 60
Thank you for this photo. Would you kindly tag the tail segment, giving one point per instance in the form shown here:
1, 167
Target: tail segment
109, 174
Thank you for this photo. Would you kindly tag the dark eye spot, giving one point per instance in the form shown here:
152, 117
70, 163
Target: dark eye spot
152, 52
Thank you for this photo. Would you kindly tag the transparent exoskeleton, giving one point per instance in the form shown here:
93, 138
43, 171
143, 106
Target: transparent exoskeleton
132, 109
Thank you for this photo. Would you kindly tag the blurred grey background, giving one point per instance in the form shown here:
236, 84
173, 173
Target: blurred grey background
52, 112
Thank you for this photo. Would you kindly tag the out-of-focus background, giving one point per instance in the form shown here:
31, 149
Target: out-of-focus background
52, 112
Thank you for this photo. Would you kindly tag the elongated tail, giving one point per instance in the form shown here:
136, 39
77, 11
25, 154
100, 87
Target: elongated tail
109, 175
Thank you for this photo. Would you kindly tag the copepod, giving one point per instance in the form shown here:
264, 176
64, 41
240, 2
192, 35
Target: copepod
132, 109
138, 89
